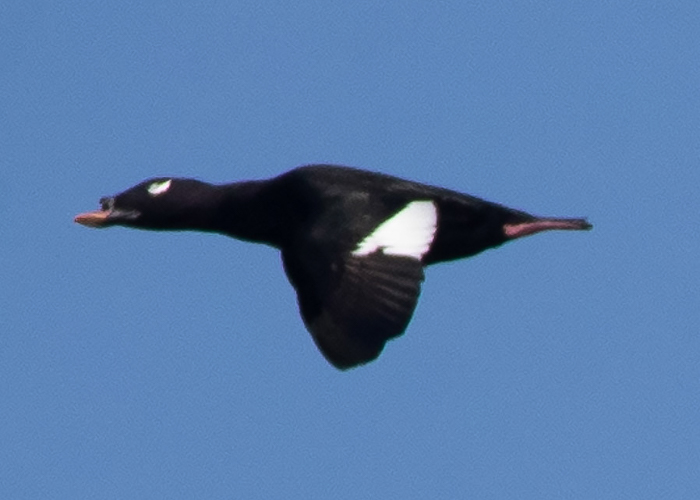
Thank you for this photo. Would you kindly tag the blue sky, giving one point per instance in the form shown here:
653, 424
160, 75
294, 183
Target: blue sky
158, 365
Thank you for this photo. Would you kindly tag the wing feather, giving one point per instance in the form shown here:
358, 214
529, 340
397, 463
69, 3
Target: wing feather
353, 307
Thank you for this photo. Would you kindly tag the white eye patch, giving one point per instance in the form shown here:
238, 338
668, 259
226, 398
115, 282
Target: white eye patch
409, 233
159, 187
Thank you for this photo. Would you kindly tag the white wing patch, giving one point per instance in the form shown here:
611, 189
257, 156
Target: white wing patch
409, 233
159, 187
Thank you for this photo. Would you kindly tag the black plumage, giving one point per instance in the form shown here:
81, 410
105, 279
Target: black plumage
354, 243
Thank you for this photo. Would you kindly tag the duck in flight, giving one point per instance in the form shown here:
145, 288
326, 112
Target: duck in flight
354, 243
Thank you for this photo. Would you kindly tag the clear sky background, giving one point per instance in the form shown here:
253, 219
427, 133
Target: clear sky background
175, 365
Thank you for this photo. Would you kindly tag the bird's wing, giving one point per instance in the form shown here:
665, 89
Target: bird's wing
352, 306
356, 294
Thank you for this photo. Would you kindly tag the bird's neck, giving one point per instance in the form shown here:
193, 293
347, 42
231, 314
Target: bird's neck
249, 211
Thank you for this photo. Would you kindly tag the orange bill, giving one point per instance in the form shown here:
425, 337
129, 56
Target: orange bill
98, 218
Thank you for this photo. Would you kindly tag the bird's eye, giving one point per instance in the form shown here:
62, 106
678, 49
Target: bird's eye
161, 187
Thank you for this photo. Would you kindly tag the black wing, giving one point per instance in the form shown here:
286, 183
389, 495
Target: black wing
353, 304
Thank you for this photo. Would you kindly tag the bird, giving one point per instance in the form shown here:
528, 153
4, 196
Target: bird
354, 243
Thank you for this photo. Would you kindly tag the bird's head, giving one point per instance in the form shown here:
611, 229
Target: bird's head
160, 203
